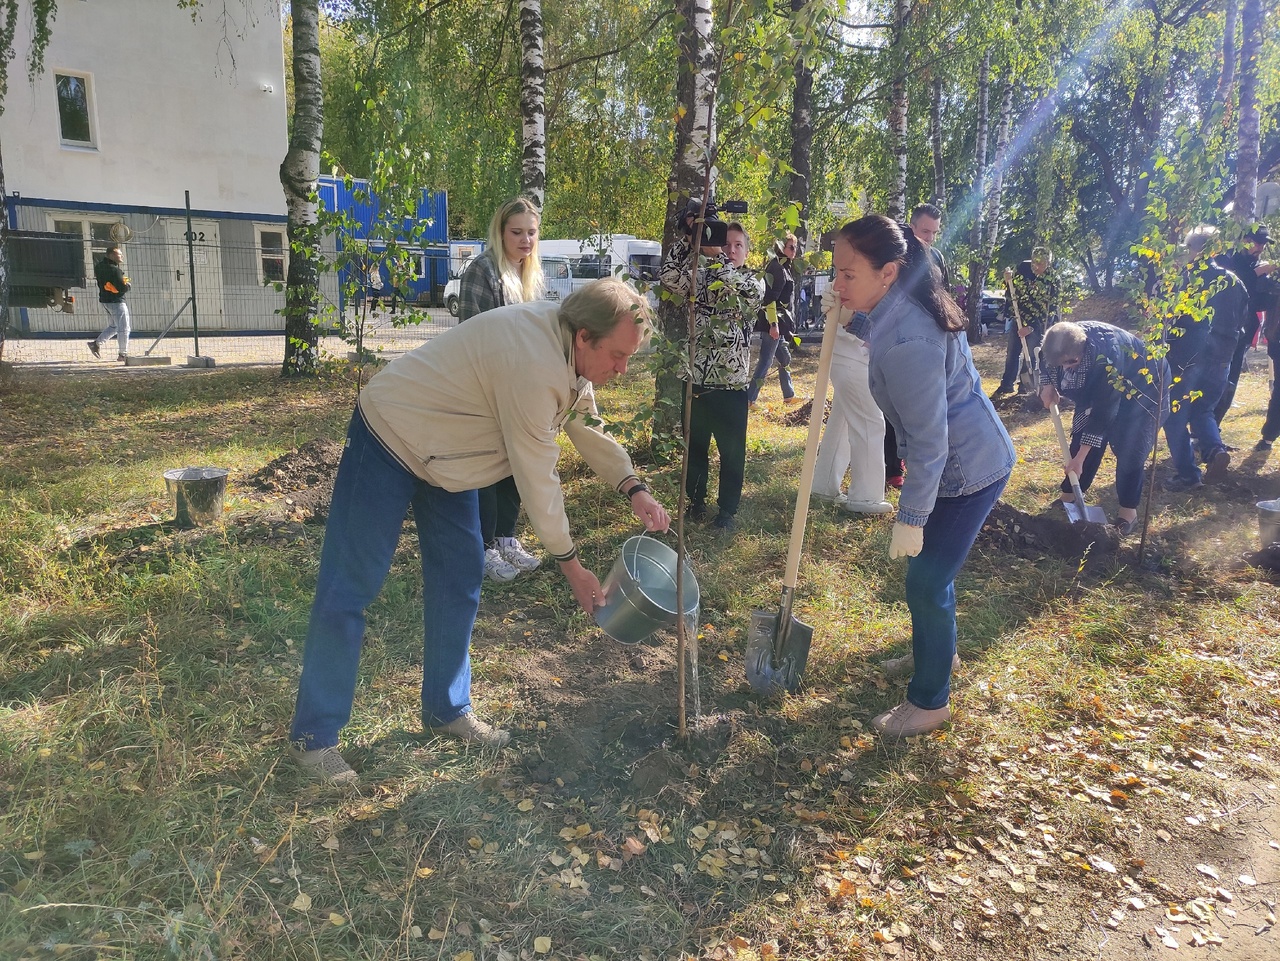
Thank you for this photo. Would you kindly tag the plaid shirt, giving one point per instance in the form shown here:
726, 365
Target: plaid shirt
480, 288
1073, 380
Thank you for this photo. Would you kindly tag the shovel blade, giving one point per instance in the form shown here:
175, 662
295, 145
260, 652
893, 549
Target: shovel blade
770, 671
1079, 513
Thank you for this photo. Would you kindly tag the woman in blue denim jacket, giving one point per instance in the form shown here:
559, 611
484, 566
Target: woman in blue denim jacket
958, 453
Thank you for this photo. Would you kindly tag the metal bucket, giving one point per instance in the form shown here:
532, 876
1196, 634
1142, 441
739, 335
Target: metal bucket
1269, 522
640, 592
197, 493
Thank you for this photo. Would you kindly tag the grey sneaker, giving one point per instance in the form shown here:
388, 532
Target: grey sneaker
93, 349
897, 668
472, 730
907, 720
323, 764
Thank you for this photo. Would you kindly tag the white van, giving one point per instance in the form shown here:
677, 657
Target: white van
608, 255
556, 271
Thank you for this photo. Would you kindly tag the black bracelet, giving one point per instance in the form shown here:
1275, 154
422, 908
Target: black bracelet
636, 489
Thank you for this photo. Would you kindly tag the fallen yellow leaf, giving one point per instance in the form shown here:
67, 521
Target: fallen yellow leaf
302, 902
542, 945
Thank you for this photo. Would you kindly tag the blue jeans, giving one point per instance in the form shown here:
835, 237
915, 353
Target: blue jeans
371, 495
1131, 436
949, 534
770, 348
1194, 417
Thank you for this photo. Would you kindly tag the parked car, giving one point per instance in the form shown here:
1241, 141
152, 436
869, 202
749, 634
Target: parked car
991, 312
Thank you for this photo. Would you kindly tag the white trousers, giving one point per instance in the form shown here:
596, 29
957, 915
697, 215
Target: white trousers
854, 436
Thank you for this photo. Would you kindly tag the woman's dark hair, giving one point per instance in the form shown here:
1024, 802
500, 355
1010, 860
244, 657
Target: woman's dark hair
882, 242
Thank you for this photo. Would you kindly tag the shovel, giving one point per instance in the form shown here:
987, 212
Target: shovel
778, 644
1027, 374
1079, 511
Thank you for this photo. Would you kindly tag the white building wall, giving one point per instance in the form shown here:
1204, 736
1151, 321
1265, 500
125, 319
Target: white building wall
176, 105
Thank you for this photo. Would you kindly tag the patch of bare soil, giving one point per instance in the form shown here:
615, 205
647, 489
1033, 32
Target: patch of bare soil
1202, 884
301, 481
605, 729
1036, 535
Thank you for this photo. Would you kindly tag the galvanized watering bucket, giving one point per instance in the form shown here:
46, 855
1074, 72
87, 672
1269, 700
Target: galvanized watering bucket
197, 493
640, 592
1268, 522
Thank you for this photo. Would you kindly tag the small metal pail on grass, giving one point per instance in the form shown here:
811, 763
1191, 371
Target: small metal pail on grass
197, 493
1269, 522
641, 592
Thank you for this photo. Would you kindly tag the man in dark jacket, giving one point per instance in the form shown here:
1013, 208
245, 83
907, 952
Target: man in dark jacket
1244, 263
1201, 342
1037, 292
112, 286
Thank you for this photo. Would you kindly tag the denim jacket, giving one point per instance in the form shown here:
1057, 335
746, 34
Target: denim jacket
925, 382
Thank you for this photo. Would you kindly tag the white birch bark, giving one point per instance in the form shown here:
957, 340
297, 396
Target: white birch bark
977, 272
898, 110
1251, 29
298, 175
533, 83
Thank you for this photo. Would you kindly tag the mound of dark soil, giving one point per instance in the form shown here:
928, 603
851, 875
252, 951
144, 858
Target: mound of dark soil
1035, 535
304, 477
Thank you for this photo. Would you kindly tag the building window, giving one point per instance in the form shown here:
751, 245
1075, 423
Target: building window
97, 233
74, 109
271, 248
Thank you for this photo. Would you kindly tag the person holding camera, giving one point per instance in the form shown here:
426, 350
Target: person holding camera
719, 364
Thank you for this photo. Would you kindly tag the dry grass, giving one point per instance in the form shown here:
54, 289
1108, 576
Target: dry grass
149, 677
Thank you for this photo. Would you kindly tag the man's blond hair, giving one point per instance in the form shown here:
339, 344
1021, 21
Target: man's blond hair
598, 306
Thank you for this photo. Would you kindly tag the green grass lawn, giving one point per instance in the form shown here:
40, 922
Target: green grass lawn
148, 679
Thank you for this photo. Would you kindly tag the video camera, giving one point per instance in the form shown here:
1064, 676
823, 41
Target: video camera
715, 231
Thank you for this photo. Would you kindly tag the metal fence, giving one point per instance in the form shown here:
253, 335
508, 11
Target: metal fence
227, 292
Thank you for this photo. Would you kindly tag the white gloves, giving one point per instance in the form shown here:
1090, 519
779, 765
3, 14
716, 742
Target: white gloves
831, 305
906, 540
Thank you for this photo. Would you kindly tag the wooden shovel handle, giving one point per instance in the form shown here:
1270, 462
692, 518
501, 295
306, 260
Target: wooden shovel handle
796, 544
1066, 454
1017, 316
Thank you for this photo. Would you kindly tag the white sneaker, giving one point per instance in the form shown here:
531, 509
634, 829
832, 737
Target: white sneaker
513, 553
828, 498
867, 507
497, 569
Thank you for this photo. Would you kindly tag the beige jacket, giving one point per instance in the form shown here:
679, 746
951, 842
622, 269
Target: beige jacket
485, 400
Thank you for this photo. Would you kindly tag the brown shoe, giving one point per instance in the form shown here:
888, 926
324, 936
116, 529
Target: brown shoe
472, 730
323, 764
897, 668
907, 720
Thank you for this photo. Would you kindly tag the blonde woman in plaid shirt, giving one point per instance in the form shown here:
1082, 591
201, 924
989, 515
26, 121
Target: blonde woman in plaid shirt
508, 272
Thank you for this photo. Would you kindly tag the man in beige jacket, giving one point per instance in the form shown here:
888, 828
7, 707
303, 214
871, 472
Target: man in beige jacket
480, 402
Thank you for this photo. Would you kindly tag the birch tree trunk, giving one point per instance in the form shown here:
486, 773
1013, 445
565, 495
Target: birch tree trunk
1228, 76
298, 175
993, 203
977, 272
935, 144
798, 189
897, 205
694, 146
533, 83
1251, 27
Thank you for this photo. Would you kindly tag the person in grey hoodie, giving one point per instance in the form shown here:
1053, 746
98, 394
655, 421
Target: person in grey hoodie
957, 452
